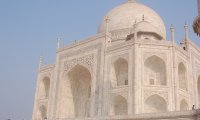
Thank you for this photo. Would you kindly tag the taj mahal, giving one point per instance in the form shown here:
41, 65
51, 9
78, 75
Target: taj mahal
127, 71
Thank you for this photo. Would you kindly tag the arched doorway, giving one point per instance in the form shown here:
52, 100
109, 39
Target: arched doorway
182, 76
120, 72
155, 104
120, 106
76, 93
155, 71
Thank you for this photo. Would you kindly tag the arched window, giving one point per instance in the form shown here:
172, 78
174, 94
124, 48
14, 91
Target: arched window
44, 87
182, 77
155, 71
183, 105
120, 106
120, 72
43, 112
155, 104
76, 93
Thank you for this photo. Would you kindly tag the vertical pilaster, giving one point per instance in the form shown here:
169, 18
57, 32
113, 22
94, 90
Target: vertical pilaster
174, 72
54, 89
35, 107
101, 83
130, 82
192, 83
101, 86
93, 96
136, 89
105, 85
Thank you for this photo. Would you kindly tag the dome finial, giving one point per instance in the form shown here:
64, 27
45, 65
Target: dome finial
40, 62
129, 1
107, 20
58, 42
172, 33
186, 31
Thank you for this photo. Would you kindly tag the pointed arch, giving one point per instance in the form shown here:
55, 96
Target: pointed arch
183, 105
120, 72
155, 71
155, 104
182, 76
119, 106
83, 64
75, 93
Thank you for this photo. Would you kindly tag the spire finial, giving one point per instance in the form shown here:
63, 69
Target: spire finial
129, 1
40, 61
58, 42
186, 35
107, 20
135, 30
186, 31
172, 33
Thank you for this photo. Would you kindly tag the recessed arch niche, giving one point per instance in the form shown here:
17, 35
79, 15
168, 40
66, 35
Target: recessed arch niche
120, 72
183, 105
182, 76
155, 104
75, 93
155, 71
119, 106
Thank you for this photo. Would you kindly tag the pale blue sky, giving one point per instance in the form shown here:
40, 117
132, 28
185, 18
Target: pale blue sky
30, 27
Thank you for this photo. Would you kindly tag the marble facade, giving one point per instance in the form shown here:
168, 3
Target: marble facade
127, 71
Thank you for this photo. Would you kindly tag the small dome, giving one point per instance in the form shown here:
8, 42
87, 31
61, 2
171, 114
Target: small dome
125, 16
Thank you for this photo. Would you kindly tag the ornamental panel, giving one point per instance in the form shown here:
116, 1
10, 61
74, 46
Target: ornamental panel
81, 50
150, 54
87, 61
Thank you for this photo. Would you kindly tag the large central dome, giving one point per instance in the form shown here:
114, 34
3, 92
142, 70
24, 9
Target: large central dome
125, 16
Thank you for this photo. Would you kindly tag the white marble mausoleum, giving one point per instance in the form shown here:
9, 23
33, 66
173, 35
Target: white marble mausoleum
127, 71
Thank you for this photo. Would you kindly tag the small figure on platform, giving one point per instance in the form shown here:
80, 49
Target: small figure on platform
193, 107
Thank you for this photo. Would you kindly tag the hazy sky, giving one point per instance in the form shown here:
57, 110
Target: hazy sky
29, 28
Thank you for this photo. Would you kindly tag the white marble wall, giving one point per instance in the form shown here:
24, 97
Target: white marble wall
98, 56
